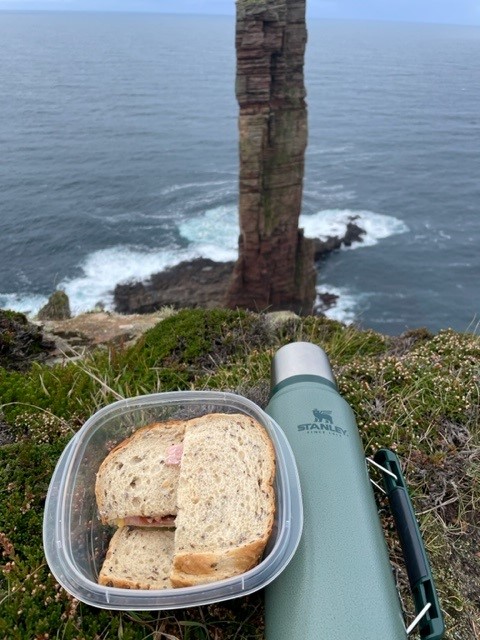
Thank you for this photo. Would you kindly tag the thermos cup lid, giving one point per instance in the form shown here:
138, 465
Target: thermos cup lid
300, 358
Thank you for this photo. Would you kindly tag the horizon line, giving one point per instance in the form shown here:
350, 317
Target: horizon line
232, 15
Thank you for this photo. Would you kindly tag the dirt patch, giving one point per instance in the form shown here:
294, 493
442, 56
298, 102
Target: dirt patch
75, 336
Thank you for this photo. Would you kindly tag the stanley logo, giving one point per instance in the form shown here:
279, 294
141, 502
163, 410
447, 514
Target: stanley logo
322, 423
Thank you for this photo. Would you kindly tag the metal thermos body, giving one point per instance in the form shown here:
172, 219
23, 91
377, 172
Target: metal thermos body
339, 584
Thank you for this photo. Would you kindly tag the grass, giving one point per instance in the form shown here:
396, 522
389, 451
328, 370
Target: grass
418, 394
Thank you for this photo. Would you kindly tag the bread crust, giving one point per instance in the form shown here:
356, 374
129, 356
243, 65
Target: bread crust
190, 569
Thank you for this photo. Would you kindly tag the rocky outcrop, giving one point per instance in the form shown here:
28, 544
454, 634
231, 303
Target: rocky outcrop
21, 342
199, 283
57, 307
75, 337
353, 233
275, 267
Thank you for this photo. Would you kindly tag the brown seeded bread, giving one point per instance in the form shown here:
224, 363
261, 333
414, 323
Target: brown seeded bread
134, 480
138, 558
225, 499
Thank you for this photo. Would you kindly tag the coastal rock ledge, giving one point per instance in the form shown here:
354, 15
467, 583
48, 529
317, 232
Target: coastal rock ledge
203, 282
199, 283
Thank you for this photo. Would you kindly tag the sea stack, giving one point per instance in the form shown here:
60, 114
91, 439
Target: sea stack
275, 268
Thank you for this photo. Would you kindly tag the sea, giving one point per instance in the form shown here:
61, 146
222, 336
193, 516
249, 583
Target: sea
119, 159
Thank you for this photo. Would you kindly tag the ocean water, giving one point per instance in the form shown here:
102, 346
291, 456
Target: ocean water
118, 138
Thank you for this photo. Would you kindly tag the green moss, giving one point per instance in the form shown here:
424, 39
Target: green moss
191, 344
62, 391
15, 316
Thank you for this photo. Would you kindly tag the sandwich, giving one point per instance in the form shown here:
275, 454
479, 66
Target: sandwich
193, 500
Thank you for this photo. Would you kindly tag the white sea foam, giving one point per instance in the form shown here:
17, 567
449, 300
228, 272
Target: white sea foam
346, 305
104, 269
333, 222
134, 217
193, 185
325, 193
214, 235
220, 226
320, 151
28, 303
217, 227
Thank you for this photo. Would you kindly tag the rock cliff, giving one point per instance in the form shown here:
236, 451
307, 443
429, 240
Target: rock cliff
275, 267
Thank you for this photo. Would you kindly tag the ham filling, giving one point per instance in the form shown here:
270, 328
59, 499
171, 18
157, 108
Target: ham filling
174, 455
150, 521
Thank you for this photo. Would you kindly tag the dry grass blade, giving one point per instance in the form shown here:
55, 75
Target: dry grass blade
78, 362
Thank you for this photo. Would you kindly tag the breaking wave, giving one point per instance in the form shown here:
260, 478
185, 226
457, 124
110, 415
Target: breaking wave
212, 234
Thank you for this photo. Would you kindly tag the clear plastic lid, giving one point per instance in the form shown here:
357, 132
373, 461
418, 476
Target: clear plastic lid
75, 541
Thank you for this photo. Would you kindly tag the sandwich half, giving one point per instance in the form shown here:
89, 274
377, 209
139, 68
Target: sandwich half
225, 499
137, 482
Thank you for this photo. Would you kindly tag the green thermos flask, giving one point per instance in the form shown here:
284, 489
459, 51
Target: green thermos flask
339, 584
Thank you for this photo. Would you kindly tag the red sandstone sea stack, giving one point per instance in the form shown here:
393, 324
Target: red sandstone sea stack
275, 267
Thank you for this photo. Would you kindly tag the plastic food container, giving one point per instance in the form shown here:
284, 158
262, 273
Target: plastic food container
75, 541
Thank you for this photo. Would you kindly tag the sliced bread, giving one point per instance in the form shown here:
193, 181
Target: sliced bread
134, 480
138, 558
225, 499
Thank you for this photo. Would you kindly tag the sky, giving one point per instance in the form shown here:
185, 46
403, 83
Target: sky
435, 11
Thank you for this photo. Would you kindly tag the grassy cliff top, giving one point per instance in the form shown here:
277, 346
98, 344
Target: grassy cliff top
417, 394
